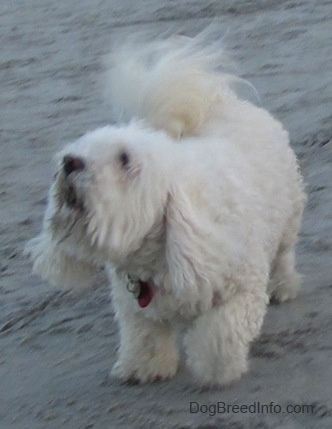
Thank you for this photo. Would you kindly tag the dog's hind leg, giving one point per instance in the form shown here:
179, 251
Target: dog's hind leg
217, 346
284, 280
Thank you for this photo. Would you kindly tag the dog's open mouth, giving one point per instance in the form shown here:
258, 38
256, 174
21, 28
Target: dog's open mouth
66, 182
72, 200
66, 194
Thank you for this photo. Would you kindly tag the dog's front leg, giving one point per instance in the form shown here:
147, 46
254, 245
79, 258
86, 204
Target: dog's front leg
217, 346
148, 349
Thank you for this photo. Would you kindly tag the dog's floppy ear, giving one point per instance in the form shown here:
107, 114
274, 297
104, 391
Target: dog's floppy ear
191, 251
53, 264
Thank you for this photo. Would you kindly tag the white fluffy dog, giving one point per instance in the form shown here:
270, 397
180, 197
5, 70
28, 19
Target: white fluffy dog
192, 203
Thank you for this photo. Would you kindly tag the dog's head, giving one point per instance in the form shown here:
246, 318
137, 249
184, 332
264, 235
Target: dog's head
109, 190
115, 190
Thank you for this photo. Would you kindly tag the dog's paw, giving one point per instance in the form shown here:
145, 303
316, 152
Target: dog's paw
157, 368
283, 295
285, 290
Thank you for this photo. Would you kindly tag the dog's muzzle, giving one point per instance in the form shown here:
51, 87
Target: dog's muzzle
71, 167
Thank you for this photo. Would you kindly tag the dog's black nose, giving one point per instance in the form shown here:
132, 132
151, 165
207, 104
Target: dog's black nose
72, 163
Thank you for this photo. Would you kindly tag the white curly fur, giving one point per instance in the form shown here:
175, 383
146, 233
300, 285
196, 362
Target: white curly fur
206, 207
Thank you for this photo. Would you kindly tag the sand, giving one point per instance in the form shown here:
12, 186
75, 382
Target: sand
56, 348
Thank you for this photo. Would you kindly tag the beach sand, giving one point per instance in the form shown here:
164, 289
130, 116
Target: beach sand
56, 348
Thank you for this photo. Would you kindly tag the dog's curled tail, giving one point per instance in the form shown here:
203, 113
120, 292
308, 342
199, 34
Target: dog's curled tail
172, 84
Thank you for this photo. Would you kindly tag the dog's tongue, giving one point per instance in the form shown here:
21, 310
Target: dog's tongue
145, 295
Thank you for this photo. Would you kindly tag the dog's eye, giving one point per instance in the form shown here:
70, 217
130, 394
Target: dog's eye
124, 159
